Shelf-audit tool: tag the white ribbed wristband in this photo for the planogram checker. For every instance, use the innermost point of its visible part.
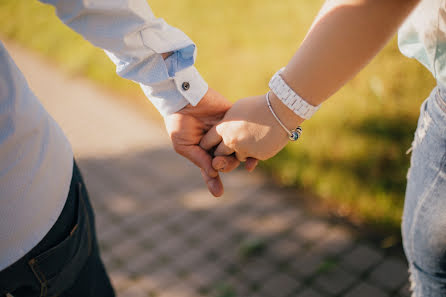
(290, 98)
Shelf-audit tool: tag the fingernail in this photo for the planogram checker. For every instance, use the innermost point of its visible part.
(214, 185)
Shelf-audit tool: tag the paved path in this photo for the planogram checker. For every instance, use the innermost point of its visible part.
(162, 235)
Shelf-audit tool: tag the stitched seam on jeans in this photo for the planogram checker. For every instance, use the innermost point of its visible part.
(40, 277)
(422, 200)
(421, 203)
(416, 216)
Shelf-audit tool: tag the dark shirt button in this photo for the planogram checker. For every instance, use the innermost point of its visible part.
(185, 86)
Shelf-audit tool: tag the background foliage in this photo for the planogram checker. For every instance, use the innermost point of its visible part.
(352, 156)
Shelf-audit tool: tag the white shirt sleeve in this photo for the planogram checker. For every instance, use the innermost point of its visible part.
(134, 39)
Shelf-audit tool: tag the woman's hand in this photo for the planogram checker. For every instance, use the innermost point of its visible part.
(250, 130)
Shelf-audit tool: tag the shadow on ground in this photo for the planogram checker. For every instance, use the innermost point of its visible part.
(162, 234)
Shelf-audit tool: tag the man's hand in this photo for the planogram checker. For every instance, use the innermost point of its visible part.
(186, 128)
(250, 130)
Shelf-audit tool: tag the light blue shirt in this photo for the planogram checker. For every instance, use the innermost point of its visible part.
(35, 157)
(423, 37)
(134, 39)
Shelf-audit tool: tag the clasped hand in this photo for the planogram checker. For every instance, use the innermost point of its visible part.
(248, 130)
(217, 136)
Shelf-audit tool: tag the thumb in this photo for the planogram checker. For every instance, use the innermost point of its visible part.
(215, 186)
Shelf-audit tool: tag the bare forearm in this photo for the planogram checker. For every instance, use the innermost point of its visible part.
(345, 36)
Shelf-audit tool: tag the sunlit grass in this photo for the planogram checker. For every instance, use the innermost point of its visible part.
(352, 154)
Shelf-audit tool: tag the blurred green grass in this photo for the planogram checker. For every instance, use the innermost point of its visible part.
(352, 155)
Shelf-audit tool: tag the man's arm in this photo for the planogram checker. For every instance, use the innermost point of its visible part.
(161, 58)
(135, 40)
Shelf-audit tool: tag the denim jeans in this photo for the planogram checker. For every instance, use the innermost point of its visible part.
(66, 261)
(424, 219)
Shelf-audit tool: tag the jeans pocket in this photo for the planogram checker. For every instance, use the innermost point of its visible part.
(57, 268)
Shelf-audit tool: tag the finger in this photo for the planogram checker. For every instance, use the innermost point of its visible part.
(215, 186)
(251, 164)
(225, 163)
(210, 139)
(223, 150)
(241, 157)
(200, 158)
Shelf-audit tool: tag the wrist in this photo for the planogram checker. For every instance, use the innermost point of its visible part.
(290, 98)
(166, 55)
(285, 114)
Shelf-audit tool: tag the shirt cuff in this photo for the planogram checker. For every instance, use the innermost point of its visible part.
(191, 85)
(173, 94)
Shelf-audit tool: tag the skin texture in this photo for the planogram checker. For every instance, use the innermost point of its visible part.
(344, 37)
(250, 130)
(342, 40)
(186, 128)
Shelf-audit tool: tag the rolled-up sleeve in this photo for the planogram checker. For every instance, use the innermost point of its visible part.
(134, 39)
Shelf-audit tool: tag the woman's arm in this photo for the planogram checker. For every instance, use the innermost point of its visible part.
(344, 37)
